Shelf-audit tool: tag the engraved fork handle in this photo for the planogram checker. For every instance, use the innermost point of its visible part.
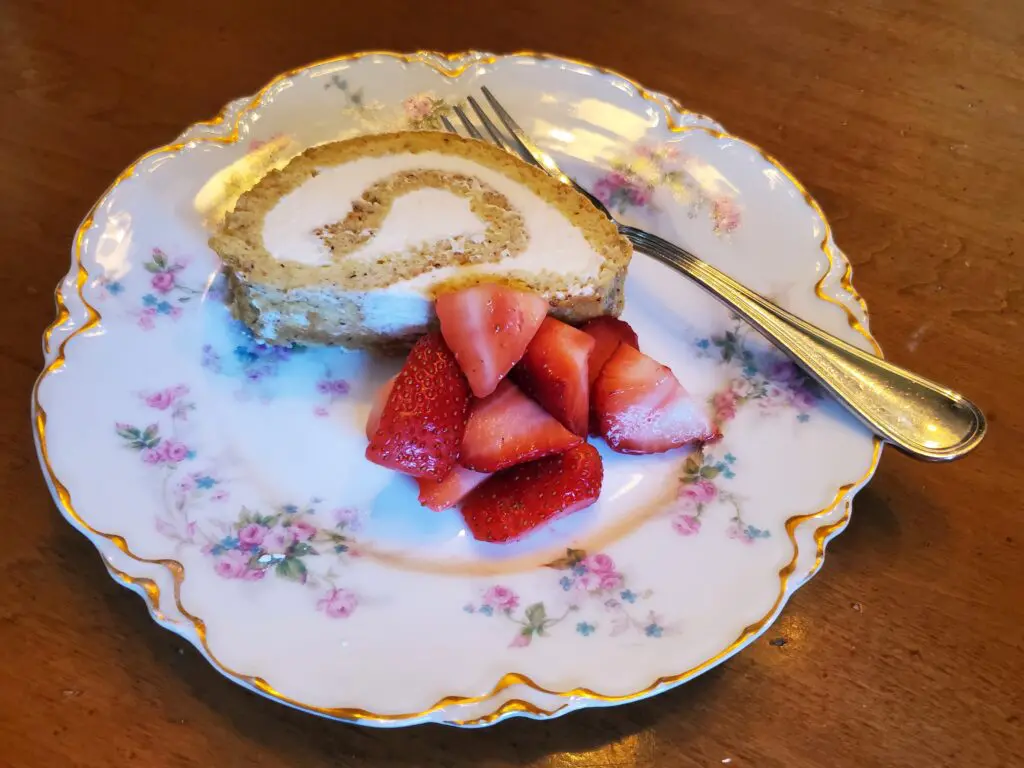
(917, 416)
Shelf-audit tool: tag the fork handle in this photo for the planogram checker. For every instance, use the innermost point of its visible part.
(917, 416)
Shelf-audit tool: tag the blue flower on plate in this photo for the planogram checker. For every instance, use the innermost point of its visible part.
(584, 628)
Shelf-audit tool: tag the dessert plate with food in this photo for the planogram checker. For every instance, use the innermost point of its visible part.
(396, 428)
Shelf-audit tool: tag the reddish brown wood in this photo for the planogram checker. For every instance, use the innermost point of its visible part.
(902, 117)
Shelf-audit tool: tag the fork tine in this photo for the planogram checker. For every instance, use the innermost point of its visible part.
(492, 129)
(448, 125)
(470, 128)
(525, 147)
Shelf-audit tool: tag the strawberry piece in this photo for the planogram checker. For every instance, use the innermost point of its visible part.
(439, 495)
(379, 401)
(608, 333)
(488, 328)
(642, 408)
(509, 428)
(424, 418)
(516, 501)
(554, 373)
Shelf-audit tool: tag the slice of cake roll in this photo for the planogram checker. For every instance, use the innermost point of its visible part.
(351, 241)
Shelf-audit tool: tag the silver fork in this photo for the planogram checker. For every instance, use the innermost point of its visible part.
(917, 416)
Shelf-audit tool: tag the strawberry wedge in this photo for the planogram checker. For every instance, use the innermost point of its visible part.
(488, 327)
(642, 408)
(423, 420)
(608, 333)
(514, 502)
(509, 428)
(439, 495)
(554, 373)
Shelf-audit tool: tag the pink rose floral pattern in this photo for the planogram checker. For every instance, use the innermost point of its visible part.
(763, 376)
(421, 111)
(632, 181)
(165, 295)
(424, 111)
(153, 447)
(184, 486)
(282, 543)
(167, 292)
(699, 489)
(595, 593)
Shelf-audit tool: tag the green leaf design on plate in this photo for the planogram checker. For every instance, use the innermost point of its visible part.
(151, 436)
(292, 568)
(692, 466)
(536, 615)
(128, 433)
(572, 557)
(301, 548)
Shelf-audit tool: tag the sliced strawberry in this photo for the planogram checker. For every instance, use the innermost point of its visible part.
(519, 499)
(424, 418)
(439, 495)
(608, 333)
(488, 328)
(509, 428)
(642, 407)
(554, 373)
(379, 401)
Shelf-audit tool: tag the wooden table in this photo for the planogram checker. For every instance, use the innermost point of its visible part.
(903, 117)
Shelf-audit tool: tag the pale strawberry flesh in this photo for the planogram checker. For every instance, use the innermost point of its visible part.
(379, 401)
(642, 408)
(514, 502)
(422, 423)
(608, 333)
(554, 373)
(488, 327)
(439, 495)
(509, 428)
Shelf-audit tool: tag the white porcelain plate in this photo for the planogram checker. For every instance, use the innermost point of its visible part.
(225, 481)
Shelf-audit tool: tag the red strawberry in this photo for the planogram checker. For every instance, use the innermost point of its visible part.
(509, 428)
(519, 499)
(642, 407)
(608, 332)
(421, 426)
(379, 401)
(488, 327)
(442, 494)
(554, 373)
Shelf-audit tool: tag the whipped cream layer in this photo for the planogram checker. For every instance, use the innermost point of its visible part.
(423, 216)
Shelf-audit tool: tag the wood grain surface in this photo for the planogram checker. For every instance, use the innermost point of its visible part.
(903, 118)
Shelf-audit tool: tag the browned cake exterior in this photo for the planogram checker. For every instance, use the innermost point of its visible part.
(285, 302)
